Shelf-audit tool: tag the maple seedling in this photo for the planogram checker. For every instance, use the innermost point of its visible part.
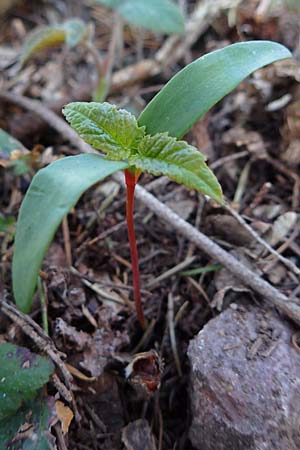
(118, 134)
(150, 143)
(71, 33)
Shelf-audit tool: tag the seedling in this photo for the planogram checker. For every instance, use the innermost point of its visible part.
(149, 144)
(71, 33)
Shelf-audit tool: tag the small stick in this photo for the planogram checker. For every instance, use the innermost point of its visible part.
(43, 342)
(61, 388)
(43, 301)
(226, 159)
(116, 47)
(67, 241)
(144, 338)
(280, 250)
(60, 437)
(259, 239)
(102, 86)
(242, 183)
(172, 333)
(182, 265)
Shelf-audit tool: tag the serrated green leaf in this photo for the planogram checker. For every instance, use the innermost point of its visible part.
(53, 191)
(162, 154)
(22, 373)
(106, 128)
(161, 16)
(70, 32)
(201, 84)
(36, 416)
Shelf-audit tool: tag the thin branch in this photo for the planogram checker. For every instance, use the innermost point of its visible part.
(172, 334)
(259, 239)
(35, 332)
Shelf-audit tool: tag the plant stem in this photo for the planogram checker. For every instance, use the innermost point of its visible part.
(102, 85)
(43, 301)
(131, 178)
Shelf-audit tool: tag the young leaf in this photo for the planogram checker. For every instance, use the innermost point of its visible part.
(52, 193)
(41, 39)
(161, 16)
(71, 32)
(22, 374)
(75, 30)
(106, 128)
(163, 154)
(36, 417)
(13, 154)
(8, 144)
(201, 84)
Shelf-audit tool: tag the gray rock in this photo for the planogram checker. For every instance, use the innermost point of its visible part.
(137, 435)
(245, 383)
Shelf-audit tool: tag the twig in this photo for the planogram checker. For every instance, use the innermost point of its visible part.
(35, 332)
(61, 388)
(226, 159)
(60, 437)
(242, 183)
(116, 47)
(67, 241)
(281, 249)
(249, 278)
(145, 337)
(116, 286)
(171, 324)
(259, 239)
(43, 301)
(182, 265)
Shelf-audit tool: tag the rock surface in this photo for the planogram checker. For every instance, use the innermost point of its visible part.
(245, 383)
(137, 435)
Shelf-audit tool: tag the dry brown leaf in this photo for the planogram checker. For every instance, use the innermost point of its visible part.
(65, 415)
(282, 227)
(78, 374)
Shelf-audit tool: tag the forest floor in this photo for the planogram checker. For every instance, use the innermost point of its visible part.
(252, 141)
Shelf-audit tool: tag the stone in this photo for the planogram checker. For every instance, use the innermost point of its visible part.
(137, 435)
(245, 383)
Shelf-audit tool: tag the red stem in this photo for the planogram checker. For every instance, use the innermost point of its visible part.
(131, 180)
